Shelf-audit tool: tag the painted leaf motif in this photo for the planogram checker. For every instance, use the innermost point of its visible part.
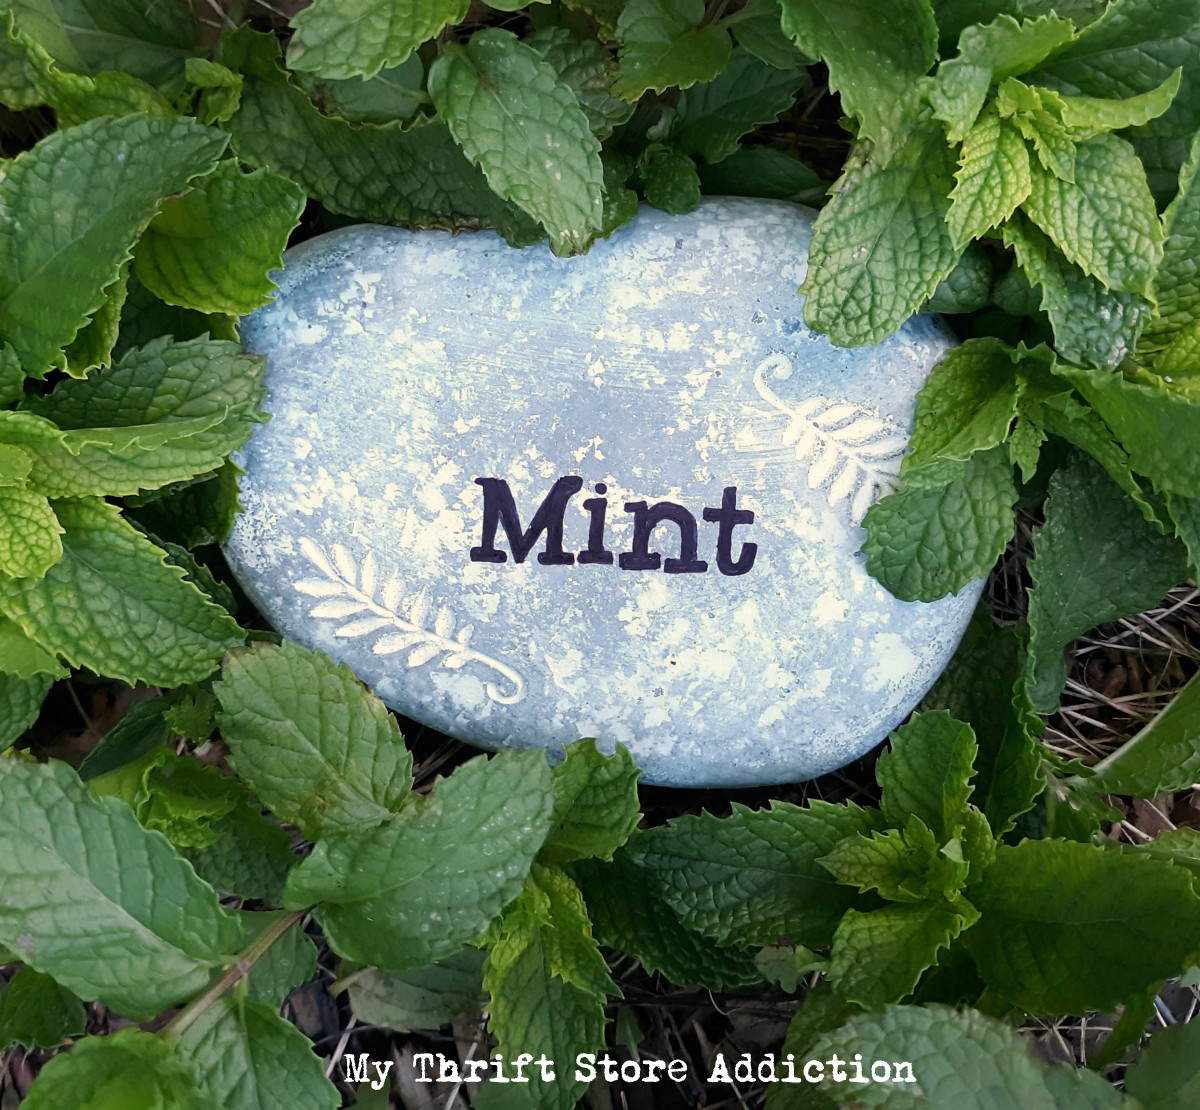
(349, 590)
(851, 454)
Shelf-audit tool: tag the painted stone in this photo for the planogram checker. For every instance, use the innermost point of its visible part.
(529, 499)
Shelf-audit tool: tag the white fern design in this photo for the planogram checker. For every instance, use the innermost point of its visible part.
(348, 593)
(850, 453)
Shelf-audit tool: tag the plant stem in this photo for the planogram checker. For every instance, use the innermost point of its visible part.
(346, 981)
(242, 967)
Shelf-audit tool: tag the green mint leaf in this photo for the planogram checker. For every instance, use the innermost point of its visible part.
(993, 178)
(161, 381)
(967, 403)
(605, 13)
(1105, 222)
(199, 575)
(1093, 116)
(422, 998)
(113, 605)
(358, 38)
(1177, 280)
(881, 245)
(21, 85)
(395, 93)
(151, 42)
(246, 1057)
(587, 69)
(30, 535)
(193, 715)
(94, 344)
(631, 917)
(568, 946)
(989, 54)
(1161, 754)
(35, 1012)
(1134, 46)
(984, 686)
(174, 795)
(290, 961)
(1064, 928)
(1168, 1073)
(12, 377)
(127, 460)
(416, 176)
(1179, 846)
(875, 74)
(250, 858)
(110, 910)
(20, 700)
(141, 730)
(1185, 514)
(663, 44)
(116, 1072)
(620, 203)
(1092, 326)
(670, 179)
(524, 128)
(1025, 446)
(210, 249)
(200, 512)
(24, 659)
(1157, 425)
(1179, 361)
(1055, 145)
(15, 465)
(1095, 559)
(906, 866)
(710, 118)
(41, 23)
(1062, 414)
(310, 740)
(203, 73)
(969, 286)
(418, 888)
(145, 318)
(70, 209)
(77, 99)
(33, 77)
(165, 413)
(1163, 157)
(758, 30)
(879, 956)
(532, 1010)
(959, 1058)
(761, 171)
(929, 540)
(595, 804)
(550, 915)
(927, 771)
(752, 878)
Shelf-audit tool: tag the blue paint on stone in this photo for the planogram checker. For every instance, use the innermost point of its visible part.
(409, 374)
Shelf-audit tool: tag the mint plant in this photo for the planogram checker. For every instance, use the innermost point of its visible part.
(1027, 167)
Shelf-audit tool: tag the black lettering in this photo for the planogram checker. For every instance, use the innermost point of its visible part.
(729, 516)
(640, 557)
(596, 552)
(500, 508)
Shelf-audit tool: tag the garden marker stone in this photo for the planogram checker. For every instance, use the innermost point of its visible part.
(529, 499)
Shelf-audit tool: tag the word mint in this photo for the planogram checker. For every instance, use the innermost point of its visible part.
(499, 509)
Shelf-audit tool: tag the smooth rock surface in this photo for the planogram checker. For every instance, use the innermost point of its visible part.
(668, 364)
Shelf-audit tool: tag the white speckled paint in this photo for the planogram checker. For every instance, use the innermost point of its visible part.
(669, 363)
